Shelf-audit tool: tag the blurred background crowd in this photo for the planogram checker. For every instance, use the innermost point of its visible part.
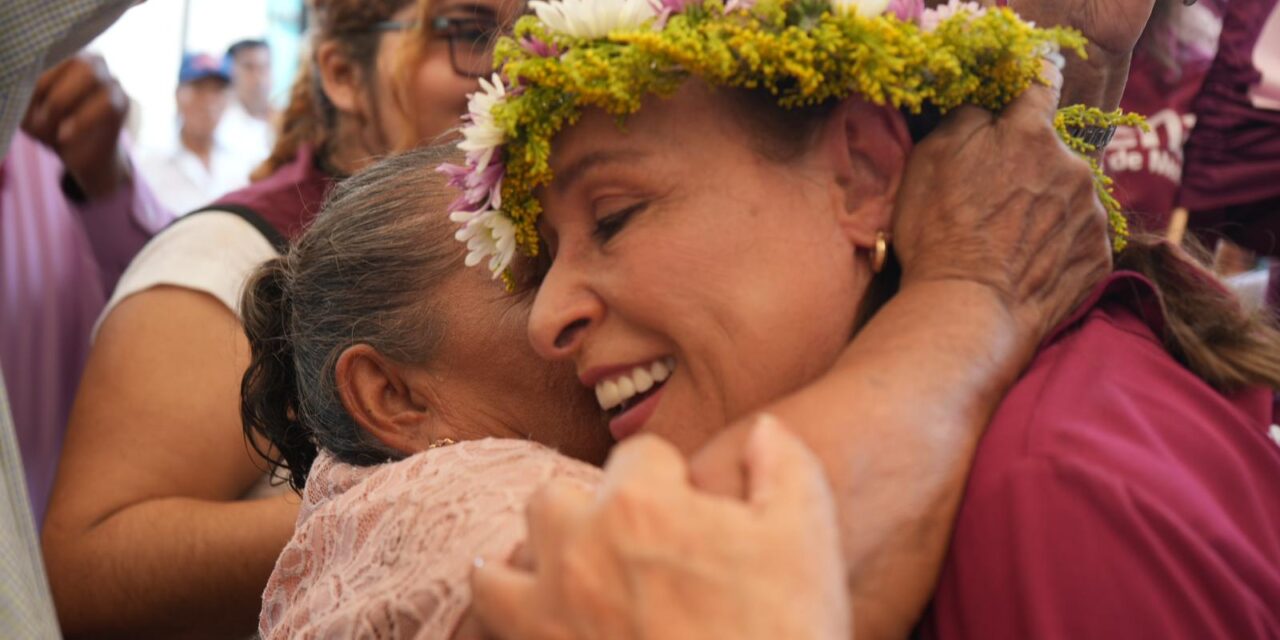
(204, 90)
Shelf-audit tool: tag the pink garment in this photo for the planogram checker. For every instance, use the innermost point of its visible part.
(59, 260)
(387, 551)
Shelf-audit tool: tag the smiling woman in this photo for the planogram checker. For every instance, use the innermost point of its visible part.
(732, 331)
(746, 252)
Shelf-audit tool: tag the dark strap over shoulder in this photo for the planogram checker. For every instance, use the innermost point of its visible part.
(281, 205)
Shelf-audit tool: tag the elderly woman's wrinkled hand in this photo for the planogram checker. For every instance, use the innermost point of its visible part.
(652, 557)
(1001, 201)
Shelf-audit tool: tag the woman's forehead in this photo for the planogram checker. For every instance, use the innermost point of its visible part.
(690, 123)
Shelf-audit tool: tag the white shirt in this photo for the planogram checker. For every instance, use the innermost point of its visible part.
(247, 137)
(1251, 287)
(183, 183)
(214, 253)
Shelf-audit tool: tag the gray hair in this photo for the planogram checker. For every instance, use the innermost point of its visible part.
(363, 273)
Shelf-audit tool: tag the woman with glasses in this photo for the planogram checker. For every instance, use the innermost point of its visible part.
(159, 522)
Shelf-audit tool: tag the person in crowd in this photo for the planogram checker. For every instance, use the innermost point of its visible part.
(246, 126)
(1169, 66)
(42, 35)
(1137, 445)
(1233, 154)
(73, 213)
(196, 166)
(161, 519)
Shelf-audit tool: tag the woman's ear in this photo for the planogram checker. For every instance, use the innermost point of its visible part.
(869, 145)
(340, 79)
(379, 395)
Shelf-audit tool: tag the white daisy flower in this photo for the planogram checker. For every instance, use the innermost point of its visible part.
(934, 17)
(593, 19)
(868, 8)
(481, 136)
(488, 234)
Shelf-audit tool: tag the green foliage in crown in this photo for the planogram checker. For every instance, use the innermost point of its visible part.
(803, 52)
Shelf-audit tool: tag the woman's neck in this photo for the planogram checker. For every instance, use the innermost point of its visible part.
(201, 146)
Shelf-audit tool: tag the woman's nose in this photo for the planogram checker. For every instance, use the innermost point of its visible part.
(564, 312)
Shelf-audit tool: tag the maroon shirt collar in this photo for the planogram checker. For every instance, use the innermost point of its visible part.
(1128, 288)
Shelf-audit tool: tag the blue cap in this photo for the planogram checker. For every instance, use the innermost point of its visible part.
(198, 66)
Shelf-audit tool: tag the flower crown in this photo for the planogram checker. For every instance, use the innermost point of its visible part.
(610, 54)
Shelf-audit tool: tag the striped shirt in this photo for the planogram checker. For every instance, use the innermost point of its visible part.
(34, 34)
(58, 262)
(26, 611)
(37, 34)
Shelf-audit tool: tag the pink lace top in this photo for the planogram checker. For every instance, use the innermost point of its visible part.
(387, 551)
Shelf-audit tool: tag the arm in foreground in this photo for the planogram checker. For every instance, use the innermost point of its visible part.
(146, 533)
(1000, 235)
(651, 556)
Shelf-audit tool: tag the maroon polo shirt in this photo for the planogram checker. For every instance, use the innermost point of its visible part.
(1116, 495)
(282, 205)
(1147, 165)
(1233, 156)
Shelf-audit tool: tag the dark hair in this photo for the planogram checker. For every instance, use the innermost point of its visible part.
(363, 273)
(310, 118)
(244, 45)
(1207, 329)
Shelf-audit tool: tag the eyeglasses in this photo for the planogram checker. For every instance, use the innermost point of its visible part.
(470, 40)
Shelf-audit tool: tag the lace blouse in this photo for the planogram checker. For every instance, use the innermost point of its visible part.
(387, 551)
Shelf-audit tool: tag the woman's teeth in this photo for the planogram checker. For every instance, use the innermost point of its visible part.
(614, 392)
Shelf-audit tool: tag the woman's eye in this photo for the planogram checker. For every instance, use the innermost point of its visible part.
(478, 34)
(610, 225)
(473, 31)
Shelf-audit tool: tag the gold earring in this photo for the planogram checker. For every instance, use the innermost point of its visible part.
(881, 252)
